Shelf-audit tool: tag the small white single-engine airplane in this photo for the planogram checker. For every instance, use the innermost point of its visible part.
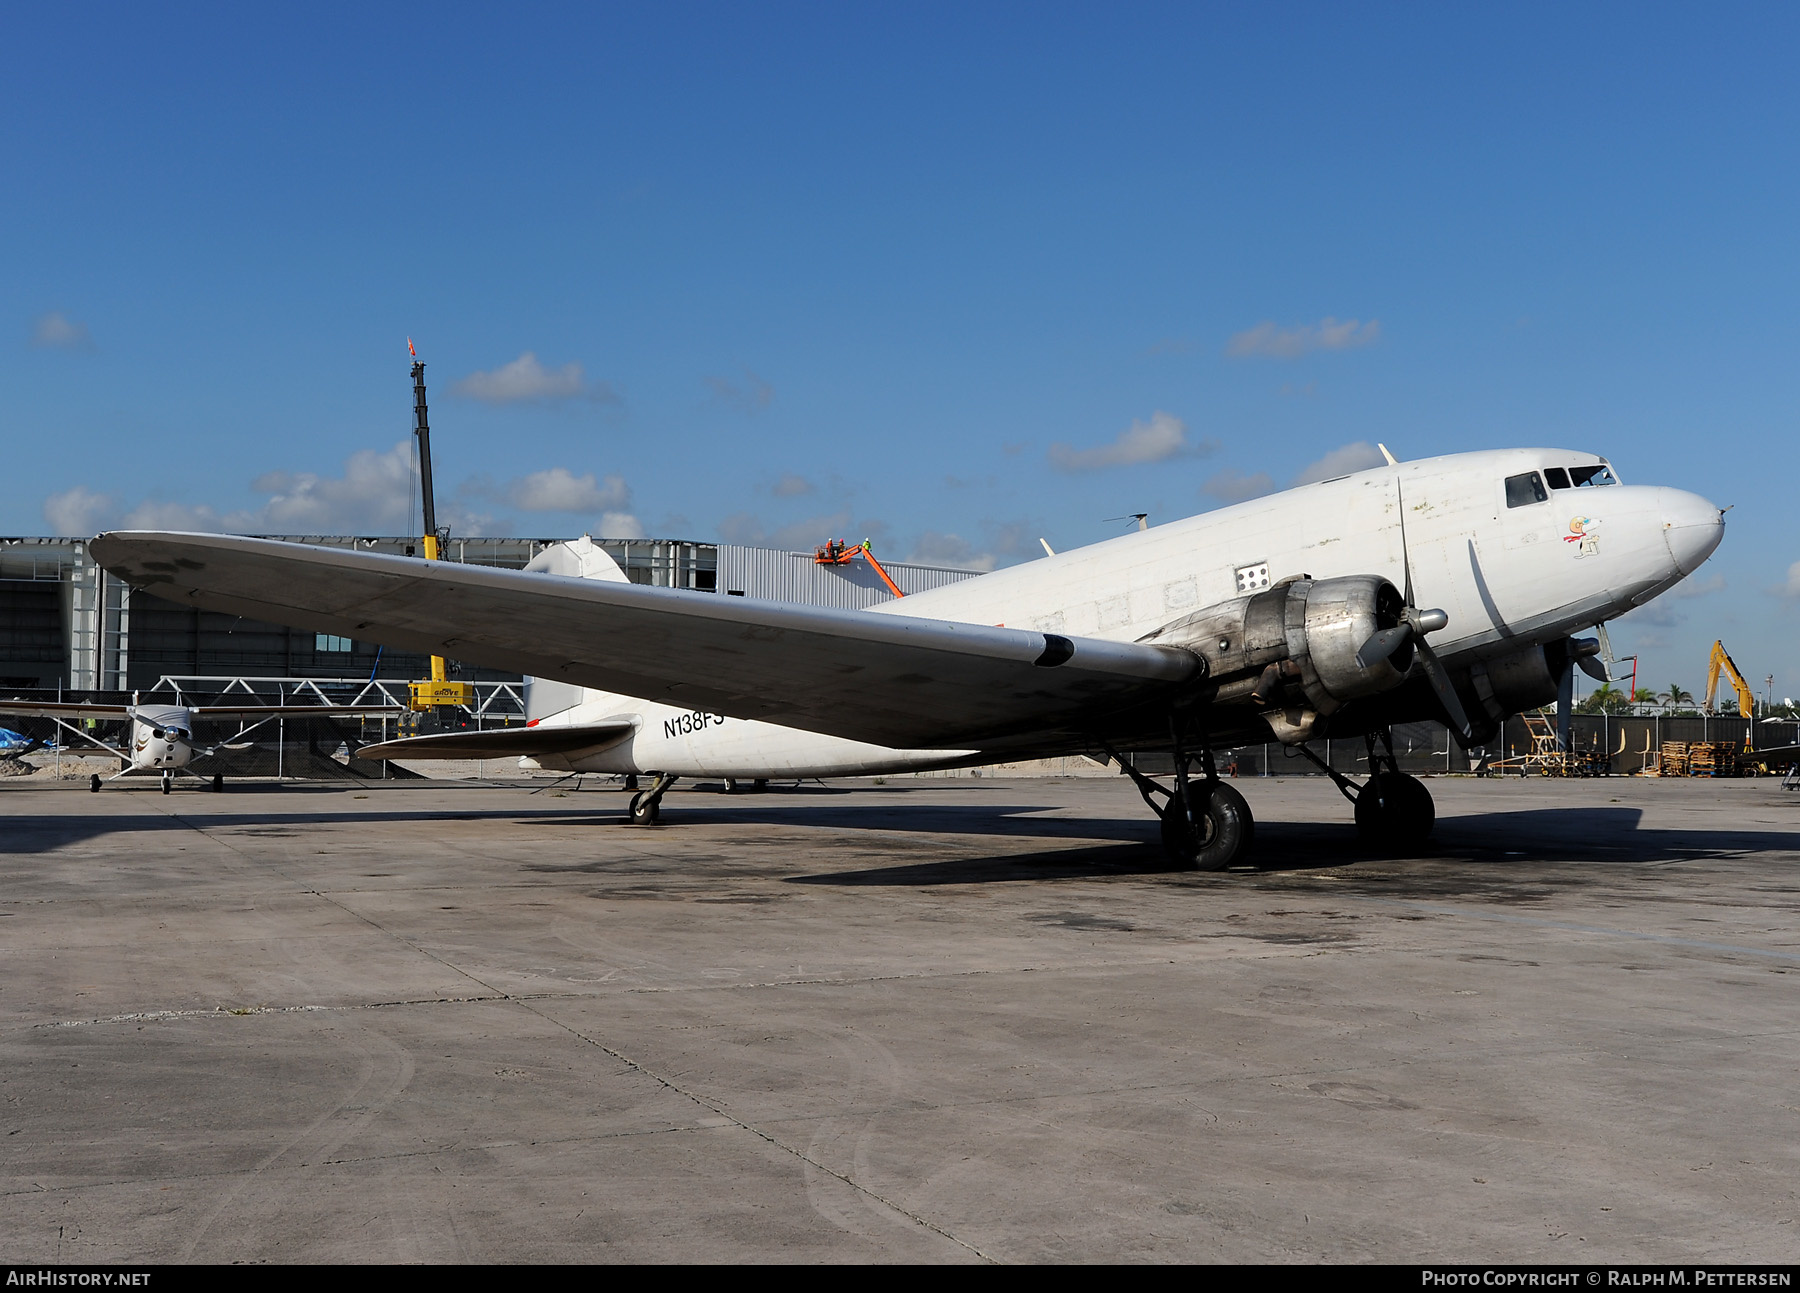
(1296, 616)
(160, 738)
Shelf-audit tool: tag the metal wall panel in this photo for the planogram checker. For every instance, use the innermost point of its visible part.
(794, 577)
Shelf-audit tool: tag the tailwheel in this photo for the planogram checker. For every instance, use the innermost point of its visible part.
(1394, 811)
(1218, 832)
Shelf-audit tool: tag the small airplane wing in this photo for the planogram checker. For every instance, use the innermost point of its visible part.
(894, 680)
(64, 709)
(502, 742)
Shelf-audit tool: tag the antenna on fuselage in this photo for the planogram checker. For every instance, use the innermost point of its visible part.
(1142, 518)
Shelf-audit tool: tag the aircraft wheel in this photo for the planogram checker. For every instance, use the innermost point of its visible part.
(644, 809)
(731, 785)
(1394, 810)
(218, 782)
(165, 785)
(1222, 829)
(760, 784)
(94, 783)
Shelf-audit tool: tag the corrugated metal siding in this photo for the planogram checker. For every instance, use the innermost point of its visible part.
(795, 577)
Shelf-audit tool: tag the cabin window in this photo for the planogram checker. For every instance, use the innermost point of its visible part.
(1598, 475)
(1558, 478)
(331, 642)
(1524, 489)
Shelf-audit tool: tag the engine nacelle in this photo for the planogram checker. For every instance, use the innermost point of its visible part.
(1292, 648)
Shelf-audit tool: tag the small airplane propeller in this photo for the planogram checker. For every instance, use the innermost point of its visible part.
(1413, 626)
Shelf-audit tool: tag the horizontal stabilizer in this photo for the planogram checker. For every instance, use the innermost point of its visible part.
(501, 742)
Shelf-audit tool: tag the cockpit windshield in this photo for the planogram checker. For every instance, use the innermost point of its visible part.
(1580, 477)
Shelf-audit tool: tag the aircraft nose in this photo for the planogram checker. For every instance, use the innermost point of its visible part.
(1692, 527)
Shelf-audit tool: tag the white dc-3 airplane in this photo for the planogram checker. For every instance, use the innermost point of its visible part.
(159, 738)
(1296, 616)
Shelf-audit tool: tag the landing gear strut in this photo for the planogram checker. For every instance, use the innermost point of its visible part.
(1393, 810)
(646, 805)
(1206, 825)
(168, 780)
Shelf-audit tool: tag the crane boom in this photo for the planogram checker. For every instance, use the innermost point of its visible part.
(1721, 660)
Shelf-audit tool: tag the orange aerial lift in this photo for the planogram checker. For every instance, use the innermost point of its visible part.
(838, 553)
(1745, 697)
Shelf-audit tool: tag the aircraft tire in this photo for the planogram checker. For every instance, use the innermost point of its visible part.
(1222, 832)
(731, 785)
(644, 809)
(165, 785)
(1395, 811)
(94, 783)
(218, 782)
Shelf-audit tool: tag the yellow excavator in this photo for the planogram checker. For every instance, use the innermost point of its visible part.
(1721, 660)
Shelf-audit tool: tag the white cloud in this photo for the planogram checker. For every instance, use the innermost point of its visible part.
(526, 381)
(1276, 342)
(559, 490)
(1792, 589)
(79, 512)
(155, 514)
(1230, 486)
(935, 549)
(1163, 437)
(57, 331)
(797, 536)
(752, 395)
(792, 486)
(621, 525)
(1341, 462)
(373, 496)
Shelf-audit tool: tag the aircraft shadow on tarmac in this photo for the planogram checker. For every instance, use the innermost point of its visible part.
(1119, 845)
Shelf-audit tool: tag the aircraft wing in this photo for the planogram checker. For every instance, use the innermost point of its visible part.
(296, 711)
(77, 709)
(64, 709)
(501, 742)
(893, 680)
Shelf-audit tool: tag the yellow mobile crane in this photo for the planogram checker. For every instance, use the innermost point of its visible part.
(1745, 697)
(439, 691)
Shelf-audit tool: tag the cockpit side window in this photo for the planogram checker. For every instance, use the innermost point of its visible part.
(1596, 475)
(1524, 489)
(1558, 478)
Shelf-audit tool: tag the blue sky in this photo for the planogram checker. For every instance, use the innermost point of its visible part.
(948, 277)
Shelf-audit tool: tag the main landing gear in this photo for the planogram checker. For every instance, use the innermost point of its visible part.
(1206, 825)
(1394, 812)
(646, 805)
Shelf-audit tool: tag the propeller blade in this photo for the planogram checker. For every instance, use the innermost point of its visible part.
(1381, 645)
(1592, 667)
(1446, 694)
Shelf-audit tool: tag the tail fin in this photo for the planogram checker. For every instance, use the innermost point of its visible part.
(577, 559)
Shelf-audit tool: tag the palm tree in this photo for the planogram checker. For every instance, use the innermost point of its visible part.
(1677, 695)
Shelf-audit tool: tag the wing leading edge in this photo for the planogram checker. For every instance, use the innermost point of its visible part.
(890, 680)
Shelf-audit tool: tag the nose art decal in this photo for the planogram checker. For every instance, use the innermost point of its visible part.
(1581, 534)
